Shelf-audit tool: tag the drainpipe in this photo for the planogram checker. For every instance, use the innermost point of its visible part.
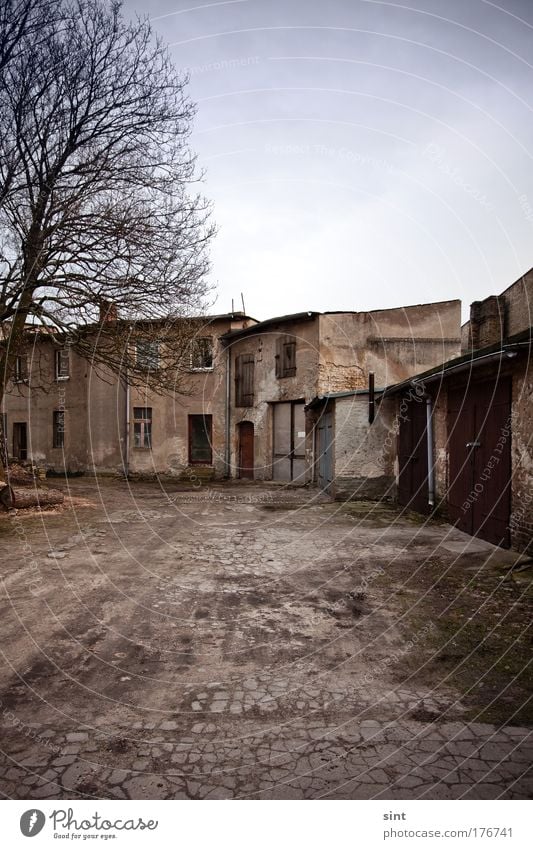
(227, 453)
(127, 439)
(429, 439)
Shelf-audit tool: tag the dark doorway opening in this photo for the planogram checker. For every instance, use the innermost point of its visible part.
(20, 440)
(246, 450)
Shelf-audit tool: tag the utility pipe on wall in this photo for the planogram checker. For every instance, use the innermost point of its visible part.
(429, 440)
(227, 449)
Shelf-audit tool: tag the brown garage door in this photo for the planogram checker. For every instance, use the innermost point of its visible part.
(479, 445)
(413, 456)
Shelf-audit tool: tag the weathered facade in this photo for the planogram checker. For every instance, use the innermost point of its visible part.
(65, 415)
(472, 458)
(292, 392)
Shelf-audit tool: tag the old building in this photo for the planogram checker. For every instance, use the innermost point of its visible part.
(286, 374)
(464, 443)
(66, 414)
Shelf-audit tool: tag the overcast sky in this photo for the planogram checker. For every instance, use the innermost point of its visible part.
(360, 154)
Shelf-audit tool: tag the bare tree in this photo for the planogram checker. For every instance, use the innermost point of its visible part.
(97, 205)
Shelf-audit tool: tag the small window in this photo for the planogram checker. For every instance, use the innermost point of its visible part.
(58, 429)
(286, 356)
(20, 372)
(62, 364)
(142, 427)
(244, 380)
(202, 354)
(147, 355)
(200, 440)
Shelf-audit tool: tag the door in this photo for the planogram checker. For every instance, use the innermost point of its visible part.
(325, 450)
(246, 450)
(413, 456)
(288, 462)
(479, 446)
(20, 440)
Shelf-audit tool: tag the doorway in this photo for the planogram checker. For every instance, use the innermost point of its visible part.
(413, 457)
(20, 441)
(246, 450)
(288, 461)
(479, 445)
(324, 447)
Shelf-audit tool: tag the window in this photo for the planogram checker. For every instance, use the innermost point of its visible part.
(20, 372)
(62, 364)
(147, 355)
(244, 380)
(286, 356)
(202, 353)
(58, 429)
(142, 427)
(200, 440)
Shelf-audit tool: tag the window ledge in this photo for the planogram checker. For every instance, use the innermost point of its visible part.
(61, 379)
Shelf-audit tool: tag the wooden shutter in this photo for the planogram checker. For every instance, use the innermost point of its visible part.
(244, 380)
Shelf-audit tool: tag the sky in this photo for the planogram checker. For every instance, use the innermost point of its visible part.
(359, 154)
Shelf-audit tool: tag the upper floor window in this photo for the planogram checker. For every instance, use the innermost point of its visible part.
(20, 371)
(142, 427)
(62, 364)
(244, 380)
(147, 354)
(202, 353)
(286, 356)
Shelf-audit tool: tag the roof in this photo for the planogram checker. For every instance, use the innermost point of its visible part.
(270, 322)
(473, 359)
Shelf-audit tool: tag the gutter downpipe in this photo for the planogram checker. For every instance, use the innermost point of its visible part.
(127, 439)
(429, 440)
(227, 453)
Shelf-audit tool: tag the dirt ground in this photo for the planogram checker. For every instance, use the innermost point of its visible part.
(256, 641)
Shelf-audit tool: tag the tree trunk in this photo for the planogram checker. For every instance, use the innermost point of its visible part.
(12, 497)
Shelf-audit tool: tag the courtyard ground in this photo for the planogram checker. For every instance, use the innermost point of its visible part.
(246, 641)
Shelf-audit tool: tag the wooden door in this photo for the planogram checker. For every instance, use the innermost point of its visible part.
(479, 446)
(325, 451)
(246, 450)
(413, 456)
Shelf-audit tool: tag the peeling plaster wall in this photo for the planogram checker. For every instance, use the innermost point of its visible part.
(394, 344)
(35, 402)
(364, 453)
(269, 389)
(170, 418)
(522, 458)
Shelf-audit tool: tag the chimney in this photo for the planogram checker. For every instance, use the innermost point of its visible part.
(108, 311)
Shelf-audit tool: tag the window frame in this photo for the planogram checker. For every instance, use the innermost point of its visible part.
(20, 371)
(196, 340)
(145, 423)
(207, 418)
(284, 343)
(61, 355)
(148, 362)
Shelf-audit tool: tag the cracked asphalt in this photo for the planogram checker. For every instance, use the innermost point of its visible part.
(245, 641)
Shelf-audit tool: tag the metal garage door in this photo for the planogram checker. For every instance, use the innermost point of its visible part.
(325, 451)
(479, 445)
(413, 456)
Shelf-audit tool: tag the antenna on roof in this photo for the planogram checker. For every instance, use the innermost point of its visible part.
(242, 301)
(232, 307)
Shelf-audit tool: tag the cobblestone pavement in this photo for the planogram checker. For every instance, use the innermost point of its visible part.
(236, 642)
